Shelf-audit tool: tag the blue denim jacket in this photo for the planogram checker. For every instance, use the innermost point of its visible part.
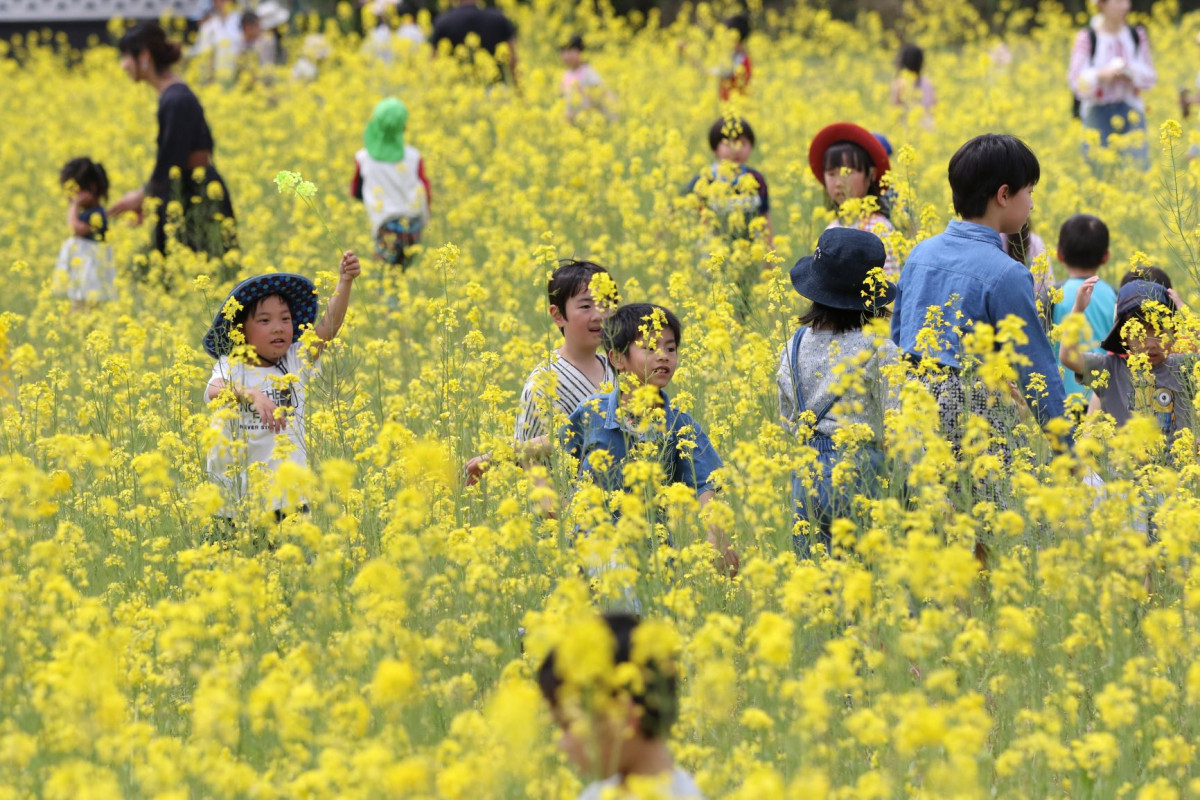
(966, 263)
(595, 425)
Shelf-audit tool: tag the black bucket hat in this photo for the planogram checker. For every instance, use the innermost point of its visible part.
(835, 275)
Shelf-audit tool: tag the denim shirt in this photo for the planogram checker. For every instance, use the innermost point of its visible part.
(966, 267)
(595, 425)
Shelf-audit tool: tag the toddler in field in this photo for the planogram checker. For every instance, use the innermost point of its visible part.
(1162, 386)
(849, 161)
(582, 86)
(1083, 249)
(910, 85)
(389, 178)
(835, 368)
(614, 724)
(85, 273)
(734, 191)
(262, 370)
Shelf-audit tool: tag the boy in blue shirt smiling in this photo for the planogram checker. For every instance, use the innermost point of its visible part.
(642, 341)
(965, 272)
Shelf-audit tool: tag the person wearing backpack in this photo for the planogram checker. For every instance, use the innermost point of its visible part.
(1110, 70)
(833, 374)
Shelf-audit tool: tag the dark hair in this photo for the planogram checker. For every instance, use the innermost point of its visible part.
(249, 18)
(739, 23)
(574, 43)
(86, 174)
(840, 320)
(983, 165)
(569, 279)
(1016, 245)
(729, 129)
(149, 37)
(1152, 274)
(247, 311)
(658, 701)
(624, 327)
(911, 58)
(1083, 241)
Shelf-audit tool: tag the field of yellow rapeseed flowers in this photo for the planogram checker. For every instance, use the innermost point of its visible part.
(384, 648)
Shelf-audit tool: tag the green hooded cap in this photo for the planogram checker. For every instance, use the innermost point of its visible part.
(384, 136)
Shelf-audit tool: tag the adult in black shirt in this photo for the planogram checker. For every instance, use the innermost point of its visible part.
(489, 24)
(183, 168)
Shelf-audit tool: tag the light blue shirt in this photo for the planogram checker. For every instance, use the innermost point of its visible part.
(1099, 314)
(964, 272)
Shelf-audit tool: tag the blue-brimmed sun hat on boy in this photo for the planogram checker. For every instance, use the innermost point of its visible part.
(837, 274)
(298, 292)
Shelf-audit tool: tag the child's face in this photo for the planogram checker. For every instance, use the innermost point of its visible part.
(572, 58)
(1142, 339)
(269, 330)
(1016, 213)
(251, 31)
(736, 150)
(583, 322)
(844, 183)
(655, 366)
(1114, 11)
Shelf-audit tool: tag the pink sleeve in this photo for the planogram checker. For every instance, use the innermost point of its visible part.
(928, 98)
(1081, 76)
(1141, 67)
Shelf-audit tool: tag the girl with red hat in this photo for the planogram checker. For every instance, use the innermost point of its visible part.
(848, 160)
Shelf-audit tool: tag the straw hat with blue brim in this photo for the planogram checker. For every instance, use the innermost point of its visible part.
(384, 136)
(1129, 299)
(298, 291)
(835, 275)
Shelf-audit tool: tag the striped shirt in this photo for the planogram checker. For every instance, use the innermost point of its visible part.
(569, 386)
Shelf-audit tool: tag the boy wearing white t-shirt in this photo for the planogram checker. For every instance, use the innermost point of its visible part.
(262, 371)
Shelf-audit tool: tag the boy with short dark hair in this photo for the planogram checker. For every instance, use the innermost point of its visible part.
(615, 726)
(642, 341)
(1082, 249)
(736, 193)
(965, 273)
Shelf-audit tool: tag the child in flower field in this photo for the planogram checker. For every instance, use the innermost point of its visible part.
(835, 369)
(909, 63)
(85, 271)
(849, 161)
(582, 86)
(389, 178)
(966, 278)
(643, 341)
(262, 368)
(735, 79)
(1083, 249)
(1161, 386)
(614, 721)
(578, 369)
(730, 188)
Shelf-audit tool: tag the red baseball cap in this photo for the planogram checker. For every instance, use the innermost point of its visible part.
(846, 132)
